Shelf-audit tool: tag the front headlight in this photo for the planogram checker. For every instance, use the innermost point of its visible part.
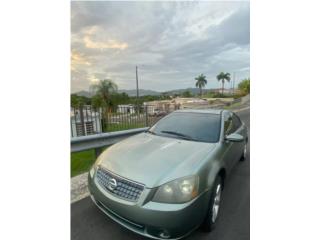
(178, 191)
(95, 166)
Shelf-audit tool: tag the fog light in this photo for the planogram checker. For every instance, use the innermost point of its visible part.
(164, 234)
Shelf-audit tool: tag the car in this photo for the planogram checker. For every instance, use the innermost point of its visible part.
(158, 113)
(168, 181)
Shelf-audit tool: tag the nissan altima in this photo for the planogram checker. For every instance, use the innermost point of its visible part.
(166, 182)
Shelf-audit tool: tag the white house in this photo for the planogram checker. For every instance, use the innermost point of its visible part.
(126, 109)
(90, 123)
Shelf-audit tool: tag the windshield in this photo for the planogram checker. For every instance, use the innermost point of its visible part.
(204, 127)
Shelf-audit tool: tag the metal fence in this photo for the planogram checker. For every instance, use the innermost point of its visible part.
(86, 120)
(98, 142)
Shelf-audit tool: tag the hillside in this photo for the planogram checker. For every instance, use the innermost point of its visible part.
(144, 92)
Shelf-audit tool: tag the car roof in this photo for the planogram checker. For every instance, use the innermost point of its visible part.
(207, 110)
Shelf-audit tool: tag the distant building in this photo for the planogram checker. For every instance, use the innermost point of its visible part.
(173, 104)
(161, 106)
(86, 123)
(226, 91)
(191, 102)
(167, 106)
(126, 109)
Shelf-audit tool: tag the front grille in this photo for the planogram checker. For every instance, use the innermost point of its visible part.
(123, 188)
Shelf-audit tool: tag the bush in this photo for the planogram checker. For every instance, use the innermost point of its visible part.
(244, 86)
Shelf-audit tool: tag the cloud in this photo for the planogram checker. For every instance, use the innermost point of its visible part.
(89, 43)
(171, 42)
(77, 59)
(94, 39)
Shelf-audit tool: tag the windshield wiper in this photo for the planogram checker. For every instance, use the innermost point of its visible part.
(181, 135)
(151, 132)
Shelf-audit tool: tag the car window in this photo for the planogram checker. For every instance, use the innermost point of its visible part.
(203, 127)
(236, 122)
(227, 124)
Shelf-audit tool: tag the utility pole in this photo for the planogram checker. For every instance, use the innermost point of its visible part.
(234, 79)
(137, 84)
(138, 107)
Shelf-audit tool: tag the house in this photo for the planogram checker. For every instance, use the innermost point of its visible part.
(85, 121)
(163, 106)
(129, 108)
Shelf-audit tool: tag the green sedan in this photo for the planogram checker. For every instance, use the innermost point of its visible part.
(166, 182)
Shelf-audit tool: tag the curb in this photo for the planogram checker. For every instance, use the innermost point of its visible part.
(240, 110)
(79, 187)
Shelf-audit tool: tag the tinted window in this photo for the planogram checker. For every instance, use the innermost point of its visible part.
(236, 122)
(204, 127)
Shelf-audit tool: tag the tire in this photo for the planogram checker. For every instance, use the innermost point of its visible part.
(210, 221)
(244, 154)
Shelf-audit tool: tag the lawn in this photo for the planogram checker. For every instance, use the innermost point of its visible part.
(113, 127)
(82, 161)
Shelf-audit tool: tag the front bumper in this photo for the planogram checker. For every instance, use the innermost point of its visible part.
(151, 219)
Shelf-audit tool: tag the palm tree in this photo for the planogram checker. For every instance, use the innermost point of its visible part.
(223, 76)
(201, 82)
(104, 88)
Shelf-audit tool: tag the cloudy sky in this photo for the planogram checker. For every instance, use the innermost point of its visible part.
(170, 42)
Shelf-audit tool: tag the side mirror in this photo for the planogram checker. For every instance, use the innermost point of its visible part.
(235, 137)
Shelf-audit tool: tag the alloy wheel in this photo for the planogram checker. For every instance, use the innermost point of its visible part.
(216, 203)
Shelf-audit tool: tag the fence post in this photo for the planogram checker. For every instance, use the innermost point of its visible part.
(146, 111)
(97, 151)
(82, 120)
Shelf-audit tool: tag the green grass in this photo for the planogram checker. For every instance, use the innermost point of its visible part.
(82, 161)
(112, 127)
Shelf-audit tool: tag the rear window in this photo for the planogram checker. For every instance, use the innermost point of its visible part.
(204, 127)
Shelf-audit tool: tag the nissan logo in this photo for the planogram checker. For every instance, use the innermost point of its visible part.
(112, 184)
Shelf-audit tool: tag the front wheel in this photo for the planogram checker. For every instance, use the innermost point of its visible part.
(214, 206)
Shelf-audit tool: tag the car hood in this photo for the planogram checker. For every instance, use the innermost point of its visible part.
(154, 160)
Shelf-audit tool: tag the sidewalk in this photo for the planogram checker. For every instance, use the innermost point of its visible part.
(79, 187)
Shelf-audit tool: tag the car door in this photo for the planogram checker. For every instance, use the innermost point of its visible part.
(232, 150)
(238, 128)
(227, 145)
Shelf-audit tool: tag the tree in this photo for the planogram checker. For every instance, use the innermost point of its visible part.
(116, 99)
(244, 85)
(96, 102)
(201, 82)
(186, 93)
(104, 89)
(222, 77)
(74, 101)
(79, 101)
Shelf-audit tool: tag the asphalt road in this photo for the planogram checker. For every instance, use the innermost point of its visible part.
(88, 222)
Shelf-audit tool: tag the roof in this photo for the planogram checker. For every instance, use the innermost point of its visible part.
(208, 110)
